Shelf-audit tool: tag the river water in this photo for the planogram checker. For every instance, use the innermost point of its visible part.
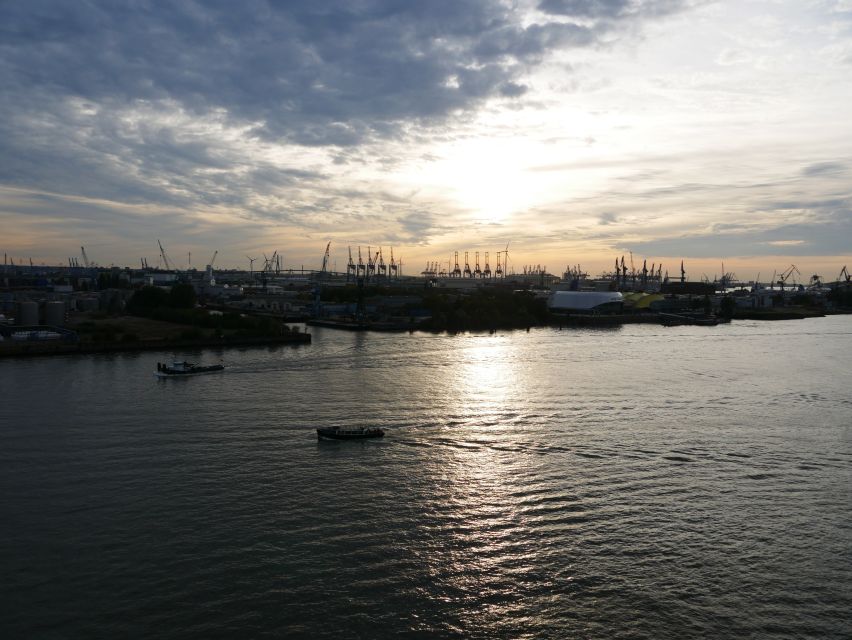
(643, 482)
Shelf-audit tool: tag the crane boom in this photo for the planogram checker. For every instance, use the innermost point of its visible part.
(166, 260)
(325, 258)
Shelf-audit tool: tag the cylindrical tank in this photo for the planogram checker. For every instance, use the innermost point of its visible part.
(54, 313)
(27, 313)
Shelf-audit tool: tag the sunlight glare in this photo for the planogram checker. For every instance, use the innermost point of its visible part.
(488, 177)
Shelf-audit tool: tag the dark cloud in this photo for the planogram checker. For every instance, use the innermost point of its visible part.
(417, 227)
(311, 73)
(586, 8)
(610, 9)
(824, 168)
(319, 73)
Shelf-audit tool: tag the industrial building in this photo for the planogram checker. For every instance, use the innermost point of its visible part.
(586, 302)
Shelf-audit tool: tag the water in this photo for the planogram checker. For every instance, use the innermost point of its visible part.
(645, 482)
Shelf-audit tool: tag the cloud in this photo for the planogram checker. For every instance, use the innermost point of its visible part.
(327, 73)
(169, 102)
(265, 112)
(826, 234)
(729, 57)
(824, 168)
(611, 9)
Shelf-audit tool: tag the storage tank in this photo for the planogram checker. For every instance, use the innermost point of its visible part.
(54, 313)
(27, 313)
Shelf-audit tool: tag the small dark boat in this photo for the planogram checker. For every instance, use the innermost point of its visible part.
(360, 433)
(181, 369)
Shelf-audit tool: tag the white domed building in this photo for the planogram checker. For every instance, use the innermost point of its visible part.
(567, 302)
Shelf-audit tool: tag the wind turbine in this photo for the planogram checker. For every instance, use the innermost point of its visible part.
(251, 266)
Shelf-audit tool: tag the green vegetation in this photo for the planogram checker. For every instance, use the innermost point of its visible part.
(104, 332)
(112, 280)
(486, 309)
(178, 306)
(147, 299)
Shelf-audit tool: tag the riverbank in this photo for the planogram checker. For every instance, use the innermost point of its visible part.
(100, 333)
(10, 348)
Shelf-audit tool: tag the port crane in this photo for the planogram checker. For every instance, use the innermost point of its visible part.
(272, 263)
(350, 267)
(785, 275)
(371, 262)
(727, 279)
(166, 260)
(393, 264)
(318, 282)
(844, 275)
(362, 268)
(506, 261)
(324, 268)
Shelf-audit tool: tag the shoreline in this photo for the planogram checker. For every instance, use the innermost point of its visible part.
(10, 349)
(36, 348)
(579, 320)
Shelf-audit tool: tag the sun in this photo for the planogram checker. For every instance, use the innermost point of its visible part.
(485, 177)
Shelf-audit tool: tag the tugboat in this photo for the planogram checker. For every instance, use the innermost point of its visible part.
(180, 369)
(360, 433)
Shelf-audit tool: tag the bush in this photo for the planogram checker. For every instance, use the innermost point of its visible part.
(146, 299)
(182, 296)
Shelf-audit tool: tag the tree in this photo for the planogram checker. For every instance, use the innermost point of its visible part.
(146, 299)
(182, 296)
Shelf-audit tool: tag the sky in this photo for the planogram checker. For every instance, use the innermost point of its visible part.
(571, 131)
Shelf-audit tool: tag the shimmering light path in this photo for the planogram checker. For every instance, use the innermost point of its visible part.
(645, 482)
